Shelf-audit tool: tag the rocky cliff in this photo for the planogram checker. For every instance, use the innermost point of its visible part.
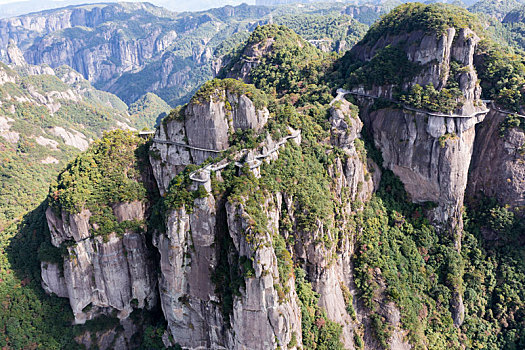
(226, 279)
(101, 273)
(497, 169)
(430, 152)
(256, 222)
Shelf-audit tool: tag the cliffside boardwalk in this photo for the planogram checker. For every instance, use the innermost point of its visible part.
(252, 164)
(342, 92)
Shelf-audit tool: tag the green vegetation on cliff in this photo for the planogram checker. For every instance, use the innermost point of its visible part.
(389, 66)
(107, 173)
(287, 64)
(334, 32)
(494, 277)
(410, 17)
(400, 259)
(212, 88)
(40, 134)
(30, 318)
(319, 332)
(502, 75)
(430, 99)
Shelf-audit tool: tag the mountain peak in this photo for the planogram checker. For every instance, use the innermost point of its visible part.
(411, 17)
(273, 56)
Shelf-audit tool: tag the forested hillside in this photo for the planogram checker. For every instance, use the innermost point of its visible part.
(314, 195)
(131, 49)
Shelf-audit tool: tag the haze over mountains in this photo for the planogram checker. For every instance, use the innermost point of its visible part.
(10, 8)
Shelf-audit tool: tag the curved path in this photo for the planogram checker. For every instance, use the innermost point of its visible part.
(202, 175)
(341, 93)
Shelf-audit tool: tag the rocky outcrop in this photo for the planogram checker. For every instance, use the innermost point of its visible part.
(71, 138)
(251, 58)
(430, 154)
(53, 280)
(114, 44)
(361, 175)
(262, 318)
(434, 54)
(498, 163)
(101, 274)
(200, 131)
(190, 257)
(187, 294)
(117, 339)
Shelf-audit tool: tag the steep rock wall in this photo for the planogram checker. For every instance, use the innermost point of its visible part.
(202, 125)
(430, 154)
(498, 162)
(434, 54)
(106, 273)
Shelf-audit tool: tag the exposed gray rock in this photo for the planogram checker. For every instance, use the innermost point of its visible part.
(358, 178)
(109, 275)
(187, 294)
(101, 274)
(434, 53)
(206, 125)
(261, 319)
(53, 280)
(65, 226)
(432, 166)
(127, 211)
(71, 138)
(498, 163)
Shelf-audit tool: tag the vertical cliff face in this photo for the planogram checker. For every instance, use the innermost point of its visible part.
(431, 155)
(187, 294)
(264, 316)
(432, 55)
(429, 151)
(498, 165)
(100, 274)
(203, 129)
(428, 148)
(224, 281)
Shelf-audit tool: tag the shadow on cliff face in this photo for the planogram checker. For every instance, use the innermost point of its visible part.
(30, 316)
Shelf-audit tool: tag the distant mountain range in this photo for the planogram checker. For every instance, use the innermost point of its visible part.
(17, 8)
(130, 49)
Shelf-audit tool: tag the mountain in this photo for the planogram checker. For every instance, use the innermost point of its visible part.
(18, 8)
(47, 116)
(285, 215)
(130, 49)
(494, 8)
